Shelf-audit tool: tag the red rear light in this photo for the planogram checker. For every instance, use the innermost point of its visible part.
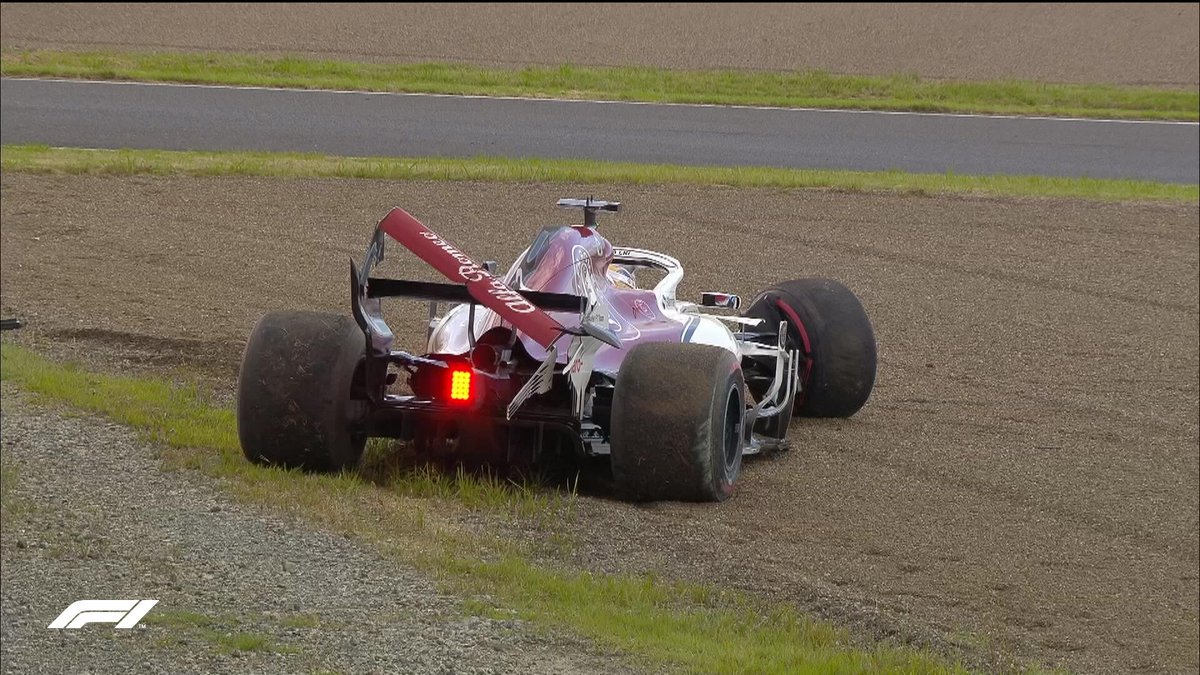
(460, 385)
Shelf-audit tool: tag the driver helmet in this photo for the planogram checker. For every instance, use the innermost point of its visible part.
(621, 277)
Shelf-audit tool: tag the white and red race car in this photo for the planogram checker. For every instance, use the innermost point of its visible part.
(564, 353)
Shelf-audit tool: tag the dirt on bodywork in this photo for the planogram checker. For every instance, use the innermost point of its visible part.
(1022, 483)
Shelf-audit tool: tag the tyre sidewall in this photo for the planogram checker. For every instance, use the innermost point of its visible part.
(724, 471)
(294, 391)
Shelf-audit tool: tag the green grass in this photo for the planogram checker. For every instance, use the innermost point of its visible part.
(387, 464)
(181, 416)
(695, 627)
(221, 633)
(244, 642)
(689, 627)
(301, 621)
(806, 89)
(179, 618)
(46, 160)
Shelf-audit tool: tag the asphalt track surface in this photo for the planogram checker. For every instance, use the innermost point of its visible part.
(128, 115)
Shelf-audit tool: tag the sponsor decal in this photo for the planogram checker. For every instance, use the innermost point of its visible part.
(471, 273)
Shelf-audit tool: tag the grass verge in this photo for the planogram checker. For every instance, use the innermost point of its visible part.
(681, 626)
(807, 89)
(46, 160)
(223, 634)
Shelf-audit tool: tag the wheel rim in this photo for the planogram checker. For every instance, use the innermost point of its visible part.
(732, 432)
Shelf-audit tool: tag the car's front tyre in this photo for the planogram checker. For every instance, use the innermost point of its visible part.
(829, 327)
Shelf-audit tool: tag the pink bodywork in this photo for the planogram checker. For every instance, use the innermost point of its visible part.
(574, 259)
(565, 259)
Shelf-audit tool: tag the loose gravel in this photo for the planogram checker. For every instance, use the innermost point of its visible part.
(1117, 43)
(92, 515)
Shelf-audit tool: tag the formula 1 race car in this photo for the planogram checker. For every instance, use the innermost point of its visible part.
(564, 353)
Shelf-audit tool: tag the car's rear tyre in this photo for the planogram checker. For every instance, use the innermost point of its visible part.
(295, 403)
(677, 423)
(830, 328)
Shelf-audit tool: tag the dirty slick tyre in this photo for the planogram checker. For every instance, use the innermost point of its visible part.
(294, 391)
(834, 333)
(677, 418)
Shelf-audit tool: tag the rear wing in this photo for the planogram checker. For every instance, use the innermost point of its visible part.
(525, 310)
(378, 287)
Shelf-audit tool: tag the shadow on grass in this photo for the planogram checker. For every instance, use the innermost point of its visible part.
(473, 470)
(452, 466)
